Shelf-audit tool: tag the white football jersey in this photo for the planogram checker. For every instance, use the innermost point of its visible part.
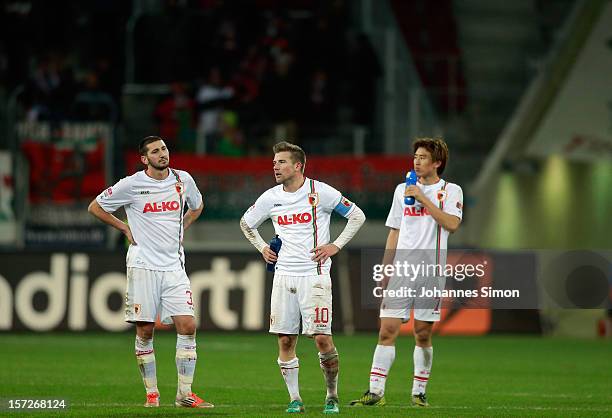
(154, 210)
(301, 220)
(417, 228)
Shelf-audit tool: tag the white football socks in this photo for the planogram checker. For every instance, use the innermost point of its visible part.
(381, 364)
(290, 371)
(423, 358)
(145, 356)
(186, 358)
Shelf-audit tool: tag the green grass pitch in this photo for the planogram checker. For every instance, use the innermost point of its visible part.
(471, 376)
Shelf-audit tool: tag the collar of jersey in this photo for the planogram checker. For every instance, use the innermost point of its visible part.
(306, 180)
(144, 172)
(432, 185)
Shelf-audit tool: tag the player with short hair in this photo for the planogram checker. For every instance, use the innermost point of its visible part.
(300, 209)
(155, 200)
(419, 233)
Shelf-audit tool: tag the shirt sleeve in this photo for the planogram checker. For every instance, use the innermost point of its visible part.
(259, 212)
(328, 197)
(193, 195)
(394, 219)
(116, 196)
(454, 201)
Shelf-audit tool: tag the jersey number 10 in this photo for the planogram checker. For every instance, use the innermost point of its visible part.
(321, 315)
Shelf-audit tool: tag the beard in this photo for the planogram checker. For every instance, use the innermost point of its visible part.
(159, 166)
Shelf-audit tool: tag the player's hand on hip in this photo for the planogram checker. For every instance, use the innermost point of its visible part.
(269, 255)
(414, 191)
(128, 233)
(323, 252)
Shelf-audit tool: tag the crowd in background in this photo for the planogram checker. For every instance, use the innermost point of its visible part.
(59, 49)
(236, 69)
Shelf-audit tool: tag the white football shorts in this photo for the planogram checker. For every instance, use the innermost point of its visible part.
(152, 292)
(425, 308)
(305, 298)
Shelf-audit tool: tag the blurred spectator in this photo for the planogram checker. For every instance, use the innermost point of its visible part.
(364, 71)
(279, 97)
(51, 89)
(275, 39)
(211, 98)
(175, 115)
(247, 79)
(232, 140)
(226, 48)
(319, 109)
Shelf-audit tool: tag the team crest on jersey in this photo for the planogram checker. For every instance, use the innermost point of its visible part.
(346, 202)
(441, 195)
(179, 187)
(313, 199)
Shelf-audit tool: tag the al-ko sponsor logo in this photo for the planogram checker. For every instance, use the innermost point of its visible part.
(296, 218)
(161, 206)
(73, 296)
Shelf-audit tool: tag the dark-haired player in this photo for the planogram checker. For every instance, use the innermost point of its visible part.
(419, 232)
(155, 200)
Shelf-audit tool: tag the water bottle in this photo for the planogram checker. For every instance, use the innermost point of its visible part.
(275, 245)
(411, 180)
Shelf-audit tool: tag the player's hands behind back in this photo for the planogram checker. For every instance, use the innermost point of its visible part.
(323, 252)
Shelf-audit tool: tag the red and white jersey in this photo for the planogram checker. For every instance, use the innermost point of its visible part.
(154, 210)
(301, 220)
(417, 228)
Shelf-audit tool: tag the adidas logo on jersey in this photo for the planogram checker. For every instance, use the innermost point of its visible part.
(296, 218)
(161, 206)
(415, 211)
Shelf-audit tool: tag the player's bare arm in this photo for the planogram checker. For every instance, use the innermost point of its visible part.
(355, 221)
(254, 238)
(447, 221)
(389, 255)
(191, 216)
(108, 218)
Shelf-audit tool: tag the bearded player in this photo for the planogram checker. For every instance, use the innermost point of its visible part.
(155, 200)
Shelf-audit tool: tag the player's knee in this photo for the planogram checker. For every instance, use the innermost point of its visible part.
(145, 331)
(423, 337)
(387, 334)
(324, 343)
(185, 326)
(188, 328)
(285, 343)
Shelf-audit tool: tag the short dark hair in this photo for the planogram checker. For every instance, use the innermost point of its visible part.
(436, 147)
(142, 146)
(297, 154)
